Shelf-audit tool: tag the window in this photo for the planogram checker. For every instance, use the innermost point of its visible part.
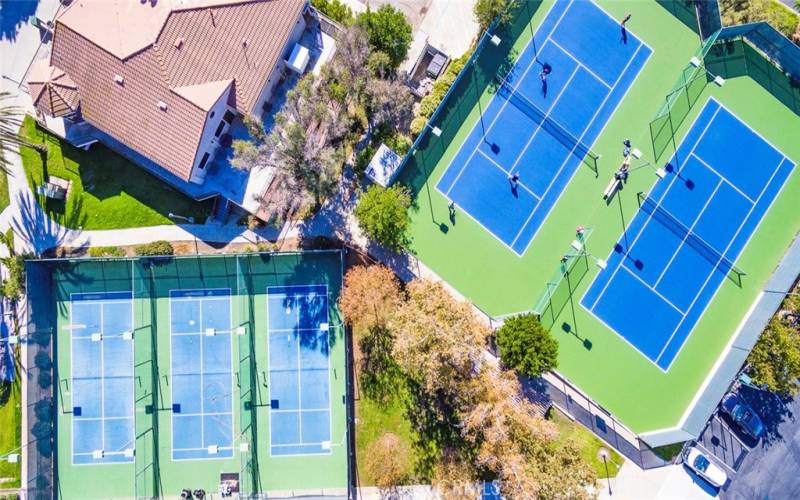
(228, 117)
(219, 128)
(212, 114)
(203, 162)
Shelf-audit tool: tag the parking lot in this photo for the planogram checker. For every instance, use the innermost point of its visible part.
(769, 468)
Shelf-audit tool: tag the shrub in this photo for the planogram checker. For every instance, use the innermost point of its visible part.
(362, 160)
(106, 252)
(418, 125)
(14, 285)
(155, 248)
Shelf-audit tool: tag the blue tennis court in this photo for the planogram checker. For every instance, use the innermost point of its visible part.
(202, 376)
(543, 130)
(102, 377)
(687, 235)
(299, 370)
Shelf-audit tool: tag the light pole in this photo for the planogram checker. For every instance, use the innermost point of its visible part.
(189, 219)
(603, 453)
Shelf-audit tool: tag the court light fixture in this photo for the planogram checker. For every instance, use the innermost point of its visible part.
(434, 129)
(719, 81)
(244, 447)
(695, 61)
(13, 339)
(128, 452)
(495, 40)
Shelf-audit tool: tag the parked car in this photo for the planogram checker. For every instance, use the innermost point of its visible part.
(743, 414)
(705, 468)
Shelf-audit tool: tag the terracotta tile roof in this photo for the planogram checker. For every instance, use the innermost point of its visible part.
(53, 92)
(127, 56)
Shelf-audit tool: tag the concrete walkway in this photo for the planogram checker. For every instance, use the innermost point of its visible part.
(673, 482)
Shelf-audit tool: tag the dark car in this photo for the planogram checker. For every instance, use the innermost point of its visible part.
(743, 414)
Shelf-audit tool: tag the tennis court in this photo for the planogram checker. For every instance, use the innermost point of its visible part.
(202, 377)
(685, 239)
(299, 370)
(542, 129)
(102, 377)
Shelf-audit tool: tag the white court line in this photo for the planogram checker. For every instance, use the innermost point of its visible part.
(714, 269)
(176, 296)
(503, 105)
(546, 115)
(100, 308)
(725, 179)
(572, 152)
(300, 410)
(649, 287)
(483, 136)
(581, 65)
(526, 188)
(690, 232)
(658, 204)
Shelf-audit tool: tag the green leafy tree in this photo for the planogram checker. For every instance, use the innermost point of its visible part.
(775, 359)
(485, 11)
(388, 31)
(335, 10)
(527, 346)
(382, 214)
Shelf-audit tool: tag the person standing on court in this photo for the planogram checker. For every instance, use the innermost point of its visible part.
(624, 29)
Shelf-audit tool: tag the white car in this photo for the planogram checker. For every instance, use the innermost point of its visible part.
(705, 468)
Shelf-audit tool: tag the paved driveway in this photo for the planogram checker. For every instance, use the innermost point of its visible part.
(771, 469)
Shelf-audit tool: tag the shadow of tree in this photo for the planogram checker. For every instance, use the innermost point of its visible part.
(15, 14)
(34, 227)
(772, 409)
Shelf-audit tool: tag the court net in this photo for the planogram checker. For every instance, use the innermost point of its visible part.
(581, 150)
(702, 247)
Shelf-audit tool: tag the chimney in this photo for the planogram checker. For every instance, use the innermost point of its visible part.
(162, 105)
(179, 42)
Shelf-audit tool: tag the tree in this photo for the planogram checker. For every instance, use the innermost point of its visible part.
(370, 297)
(486, 11)
(388, 31)
(527, 346)
(387, 460)
(303, 144)
(439, 343)
(775, 359)
(336, 10)
(382, 214)
(390, 103)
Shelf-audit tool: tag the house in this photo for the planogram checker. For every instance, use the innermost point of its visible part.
(165, 78)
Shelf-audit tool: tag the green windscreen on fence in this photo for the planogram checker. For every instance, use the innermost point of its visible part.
(761, 52)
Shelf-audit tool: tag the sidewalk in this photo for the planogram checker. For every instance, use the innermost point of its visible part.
(673, 482)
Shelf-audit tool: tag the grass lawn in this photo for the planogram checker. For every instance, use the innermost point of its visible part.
(588, 443)
(374, 419)
(10, 423)
(107, 192)
(3, 190)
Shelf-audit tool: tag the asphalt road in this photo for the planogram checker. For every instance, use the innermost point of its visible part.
(771, 469)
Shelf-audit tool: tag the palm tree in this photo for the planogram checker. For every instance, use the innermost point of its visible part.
(10, 122)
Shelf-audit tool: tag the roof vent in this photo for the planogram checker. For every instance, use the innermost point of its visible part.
(179, 42)
(245, 42)
(162, 105)
(119, 79)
